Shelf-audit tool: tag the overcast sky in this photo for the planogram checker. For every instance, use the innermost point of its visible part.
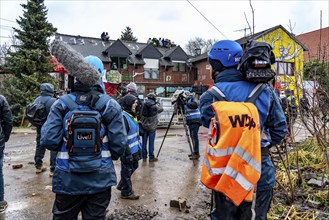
(178, 20)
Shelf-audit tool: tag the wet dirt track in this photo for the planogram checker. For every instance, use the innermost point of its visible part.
(30, 197)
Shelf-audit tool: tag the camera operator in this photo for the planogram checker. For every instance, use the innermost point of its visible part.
(193, 121)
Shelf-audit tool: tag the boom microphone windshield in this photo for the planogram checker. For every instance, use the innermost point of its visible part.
(75, 63)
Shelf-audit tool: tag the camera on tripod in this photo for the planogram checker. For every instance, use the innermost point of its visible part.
(179, 98)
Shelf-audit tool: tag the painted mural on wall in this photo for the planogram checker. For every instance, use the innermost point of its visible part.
(288, 54)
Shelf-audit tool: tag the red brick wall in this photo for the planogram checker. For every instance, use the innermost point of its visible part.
(167, 78)
(204, 74)
(317, 50)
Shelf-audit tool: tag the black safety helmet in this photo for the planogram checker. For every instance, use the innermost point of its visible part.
(151, 96)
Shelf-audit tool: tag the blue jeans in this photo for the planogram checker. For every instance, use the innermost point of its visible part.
(226, 210)
(2, 186)
(194, 130)
(40, 153)
(150, 136)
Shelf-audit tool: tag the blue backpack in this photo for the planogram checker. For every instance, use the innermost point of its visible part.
(83, 137)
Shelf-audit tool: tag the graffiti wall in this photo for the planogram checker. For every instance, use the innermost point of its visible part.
(289, 56)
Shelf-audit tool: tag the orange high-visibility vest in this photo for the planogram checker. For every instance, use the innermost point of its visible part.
(232, 163)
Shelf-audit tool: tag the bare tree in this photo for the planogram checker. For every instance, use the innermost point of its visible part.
(253, 18)
(198, 46)
(6, 47)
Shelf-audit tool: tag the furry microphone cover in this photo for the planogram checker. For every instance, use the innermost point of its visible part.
(75, 63)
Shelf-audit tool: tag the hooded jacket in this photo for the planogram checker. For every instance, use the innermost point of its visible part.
(6, 121)
(113, 145)
(46, 95)
(272, 119)
(150, 119)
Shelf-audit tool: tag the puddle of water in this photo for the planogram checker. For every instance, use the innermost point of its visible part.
(170, 135)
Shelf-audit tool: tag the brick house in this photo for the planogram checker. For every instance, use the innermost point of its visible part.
(317, 42)
(202, 73)
(153, 69)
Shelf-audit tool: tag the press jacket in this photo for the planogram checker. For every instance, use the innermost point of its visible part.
(133, 134)
(6, 121)
(192, 112)
(271, 116)
(114, 142)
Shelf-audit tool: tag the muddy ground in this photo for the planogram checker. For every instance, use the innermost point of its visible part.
(30, 197)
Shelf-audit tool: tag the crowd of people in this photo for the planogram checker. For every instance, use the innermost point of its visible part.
(161, 42)
(88, 130)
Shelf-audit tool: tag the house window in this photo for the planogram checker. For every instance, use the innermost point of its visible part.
(179, 66)
(151, 69)
(151, 73)
(119, 63)
(284, 68)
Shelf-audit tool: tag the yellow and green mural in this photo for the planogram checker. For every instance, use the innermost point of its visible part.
(289, 56)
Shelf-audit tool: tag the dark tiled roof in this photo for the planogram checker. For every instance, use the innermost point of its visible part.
(134, 51)
(134, 47)
(132, 59)
(149, 51)
(87, 45)
(199, 57)
(118, 49)
(166, 62)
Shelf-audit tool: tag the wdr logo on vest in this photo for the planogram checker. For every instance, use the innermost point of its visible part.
(243, 121)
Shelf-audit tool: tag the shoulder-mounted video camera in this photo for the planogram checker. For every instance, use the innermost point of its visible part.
(256, 62)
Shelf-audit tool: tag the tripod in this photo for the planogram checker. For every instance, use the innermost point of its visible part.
(180, 105)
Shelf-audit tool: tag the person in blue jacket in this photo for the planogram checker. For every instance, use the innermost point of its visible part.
(47, 98)
(87, 192)
(224, 58)
(193, 121)
(134, 147)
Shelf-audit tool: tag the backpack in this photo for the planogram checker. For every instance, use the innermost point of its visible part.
(83, 137)
(149, 109)
(255, 64)
(36, 112)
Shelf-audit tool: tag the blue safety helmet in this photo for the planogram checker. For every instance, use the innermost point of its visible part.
(97, 63)
(228, 52)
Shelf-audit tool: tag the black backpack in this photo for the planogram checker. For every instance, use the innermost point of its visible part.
(36, 112)
(255, 64)
(149, 108)
(83, 126)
